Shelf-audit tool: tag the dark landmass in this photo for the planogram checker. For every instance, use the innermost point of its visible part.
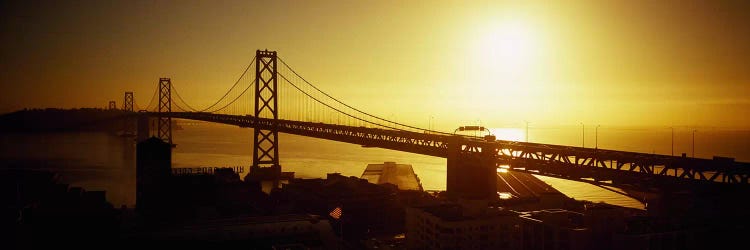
(222, 211)
(62, 120)
(39, 211)
(219, 210)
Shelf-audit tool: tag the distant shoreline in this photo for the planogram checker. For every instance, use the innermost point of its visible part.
(62, 120)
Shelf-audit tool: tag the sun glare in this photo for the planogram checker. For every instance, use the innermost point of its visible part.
(507, 47)
(505, 63)
(509, 134)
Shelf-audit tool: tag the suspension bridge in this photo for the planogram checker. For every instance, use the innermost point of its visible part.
(273, 98)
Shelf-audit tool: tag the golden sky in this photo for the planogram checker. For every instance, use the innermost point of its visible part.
(655, 63)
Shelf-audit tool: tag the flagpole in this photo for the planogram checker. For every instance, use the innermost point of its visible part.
(336, 214)
(341, 229)
(341, 225)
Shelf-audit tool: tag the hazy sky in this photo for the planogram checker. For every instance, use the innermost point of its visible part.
(657, 63)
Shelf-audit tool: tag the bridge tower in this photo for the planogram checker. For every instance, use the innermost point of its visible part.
(127, 104)
(265, 140)
(112, 105)
(164, 127)
(128, 126)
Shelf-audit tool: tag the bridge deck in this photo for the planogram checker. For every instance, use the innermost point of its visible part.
(568, 162)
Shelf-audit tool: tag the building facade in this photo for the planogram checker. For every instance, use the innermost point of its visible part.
(451, 226)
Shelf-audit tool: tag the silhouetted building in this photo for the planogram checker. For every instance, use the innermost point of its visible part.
(527, 193)
(220, 194)
(453, 226)
(695, 216)
(152, 170)
(604, 221)
(166, 198)
(472, 224)
(47, 214)
(385, 243)
(292, 231)
(554, 229)
(401, 175)
(163, 197)
(658, 233)
(366, 208)
(648, 232)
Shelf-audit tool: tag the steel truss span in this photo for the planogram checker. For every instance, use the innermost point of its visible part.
(575, 163)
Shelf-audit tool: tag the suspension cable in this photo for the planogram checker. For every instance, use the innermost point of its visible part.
(235, 99)
(230, 89)
(153, 97)
(353, 108)
(180, 98)
(308, 95)
(178, 106)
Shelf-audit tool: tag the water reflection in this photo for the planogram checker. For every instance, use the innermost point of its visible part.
(94, 161)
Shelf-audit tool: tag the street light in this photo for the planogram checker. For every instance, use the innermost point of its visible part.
(430, 124)
(479, 122)
(583, 135)
(672, 140)
(527, 131)
(596, 140)
(694, 143)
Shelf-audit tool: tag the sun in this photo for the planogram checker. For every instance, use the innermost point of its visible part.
(506, 48)
(505, 63)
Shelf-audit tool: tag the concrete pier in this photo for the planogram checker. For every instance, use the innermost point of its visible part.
(471, 175)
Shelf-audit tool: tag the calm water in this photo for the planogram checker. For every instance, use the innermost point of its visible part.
(94, 161)
(99, 161)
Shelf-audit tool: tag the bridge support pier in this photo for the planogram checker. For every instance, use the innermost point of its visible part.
(472, 171)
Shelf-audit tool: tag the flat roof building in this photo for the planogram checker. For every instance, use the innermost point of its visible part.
(451, 226)
(401, 175)
(554, 229)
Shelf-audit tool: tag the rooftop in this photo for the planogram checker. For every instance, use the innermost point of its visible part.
(401, 175)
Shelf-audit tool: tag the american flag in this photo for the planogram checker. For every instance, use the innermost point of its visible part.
(336, 213)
